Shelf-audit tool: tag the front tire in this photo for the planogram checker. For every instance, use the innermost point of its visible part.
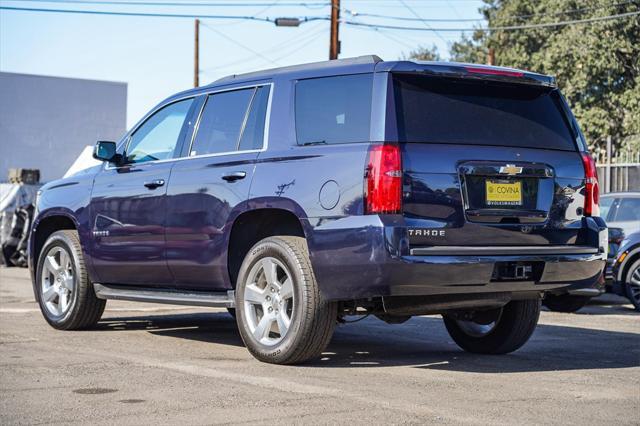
(499, 331)
(565, 302)
(63, 289)
(281, 315)
(632, 284)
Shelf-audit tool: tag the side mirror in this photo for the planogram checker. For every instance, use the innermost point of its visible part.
(106, 151)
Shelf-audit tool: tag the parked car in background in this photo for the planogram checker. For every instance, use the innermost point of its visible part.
(621, 210)
(300, 195)
(626, 270)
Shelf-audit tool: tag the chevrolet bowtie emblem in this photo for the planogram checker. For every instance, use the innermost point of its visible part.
(511, 169)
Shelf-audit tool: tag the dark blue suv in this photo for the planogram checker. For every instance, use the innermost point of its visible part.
(297, 196)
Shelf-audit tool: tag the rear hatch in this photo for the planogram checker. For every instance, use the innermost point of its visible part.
(487, 163)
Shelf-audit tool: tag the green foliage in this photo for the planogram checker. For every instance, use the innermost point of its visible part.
(597, 65)
(425, 54)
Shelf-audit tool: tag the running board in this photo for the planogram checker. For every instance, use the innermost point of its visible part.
(171, 297)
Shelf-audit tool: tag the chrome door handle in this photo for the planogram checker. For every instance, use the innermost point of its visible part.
(233, 176)
(154, 183)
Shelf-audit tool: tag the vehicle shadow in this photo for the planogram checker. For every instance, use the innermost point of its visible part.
(214, 327)
(422, 342)
(608, 304)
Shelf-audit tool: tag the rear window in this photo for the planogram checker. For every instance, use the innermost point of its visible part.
(440, 110)
(333, 109)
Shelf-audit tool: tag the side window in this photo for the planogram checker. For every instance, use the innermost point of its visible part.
(221, 122)
(606, 212)
(628, 210)
(157, 137)
(333, 109)
(253, 133)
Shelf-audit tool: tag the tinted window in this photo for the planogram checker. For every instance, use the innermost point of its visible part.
(253, 133)
(439, 110)
(628, 210)
(221, 122)
(333, 109)
(156, 139)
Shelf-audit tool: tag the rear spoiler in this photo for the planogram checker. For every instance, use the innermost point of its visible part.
(468, 71)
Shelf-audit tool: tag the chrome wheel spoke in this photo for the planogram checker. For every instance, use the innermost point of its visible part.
(254, 294)
(64, 261)
(270, 272)
(283, 322)
(51, 265)
(286, 290)
(635, 278)
(263, 328)
(50, 294)
(63, 303)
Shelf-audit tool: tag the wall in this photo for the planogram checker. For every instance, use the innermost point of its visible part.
(46, 122)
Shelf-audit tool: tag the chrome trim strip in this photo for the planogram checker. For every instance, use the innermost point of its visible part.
(501, 250)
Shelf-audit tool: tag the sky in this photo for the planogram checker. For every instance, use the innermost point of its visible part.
(154, 56)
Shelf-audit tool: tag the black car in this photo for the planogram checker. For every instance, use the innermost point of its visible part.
(300, 195)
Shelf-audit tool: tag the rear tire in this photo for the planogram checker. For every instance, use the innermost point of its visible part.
(281, 314)
(511, 327)
(63, 289)
(632, 284)
(565, 302)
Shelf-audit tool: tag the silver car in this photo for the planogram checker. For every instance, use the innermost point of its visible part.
(621, 210)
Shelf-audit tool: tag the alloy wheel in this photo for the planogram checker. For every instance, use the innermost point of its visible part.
(269, 301)
(57, 282)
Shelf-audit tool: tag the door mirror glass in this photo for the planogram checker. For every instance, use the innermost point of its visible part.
(105, 151)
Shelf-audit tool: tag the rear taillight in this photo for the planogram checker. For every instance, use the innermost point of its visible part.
(383, 180)
(592, 191)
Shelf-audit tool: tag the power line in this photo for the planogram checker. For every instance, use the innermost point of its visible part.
(404, 3)
(502, 28)
(169, 3)
(321, 18)
(221, 34)
(287, 43)
(156, 15)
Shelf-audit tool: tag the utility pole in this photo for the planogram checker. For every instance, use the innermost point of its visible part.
(608, 168)
(334, 44)
(196, 56)
(491, 57)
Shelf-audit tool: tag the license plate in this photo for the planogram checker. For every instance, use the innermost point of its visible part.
(504, 194)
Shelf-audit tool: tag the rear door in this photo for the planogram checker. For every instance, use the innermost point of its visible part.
(212, 182)
(487, 163)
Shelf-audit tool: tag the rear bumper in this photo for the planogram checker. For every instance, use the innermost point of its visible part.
(362, 257)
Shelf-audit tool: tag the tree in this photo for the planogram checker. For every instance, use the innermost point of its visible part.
(597, 65)
(425, 54)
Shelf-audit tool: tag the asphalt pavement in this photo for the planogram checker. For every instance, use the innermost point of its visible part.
(160, 364)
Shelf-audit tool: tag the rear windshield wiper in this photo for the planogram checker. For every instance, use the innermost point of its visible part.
(322, 142)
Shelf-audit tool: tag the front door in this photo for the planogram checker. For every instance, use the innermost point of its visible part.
(128, 202)
(206, 188)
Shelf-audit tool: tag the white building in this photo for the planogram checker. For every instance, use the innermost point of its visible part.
(46, 122)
